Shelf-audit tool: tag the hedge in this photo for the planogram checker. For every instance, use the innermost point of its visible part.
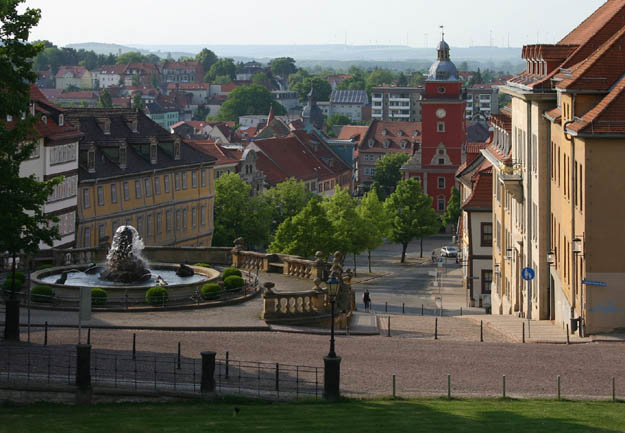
(229, 272)
(156, 295)
(211, 291)
(233, 282)
(98, 296)
(203, 265)
(42, 293)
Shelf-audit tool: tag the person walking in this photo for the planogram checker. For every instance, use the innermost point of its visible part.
(366, 298)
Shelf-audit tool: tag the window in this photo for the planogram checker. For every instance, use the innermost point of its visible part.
(441, 182)
(441, 204)
(387, 143)
(166, 182)
(153, 153)
(203, 215)
(91, 160)
(61, 120)
(148, 231)
(148, 189)
(140, 226)
(184, 179)
(440, 126)
(159, 225)
(177, 181)
(113, 193)
(137, 189)
(185, 219)
(100, 195)
(371, 142)
(157, 185)
(126, 192)
(486, 234)
(194, 178)
(107, 126)
(178, 221)
(193, 218)
(87, 237)
(168, 222)
(85, 198)
(203, 177)
(177, 149)
(441, 161)
(122, 156)
(442, 90)
(487, 279)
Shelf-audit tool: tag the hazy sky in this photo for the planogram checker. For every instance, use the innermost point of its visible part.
(360, 22)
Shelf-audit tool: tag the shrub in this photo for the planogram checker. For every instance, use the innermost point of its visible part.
(203, 265)
(233, 282)
(44, 266)
(42, 293)
(156, 295)
(7, 286)
(211, 291)
(229, 272)
(19, 276)
(98, 296)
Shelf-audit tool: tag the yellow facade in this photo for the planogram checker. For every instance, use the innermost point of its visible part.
(172, 207)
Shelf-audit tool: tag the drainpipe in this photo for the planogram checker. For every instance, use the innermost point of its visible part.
(571, 179)
(528, 210)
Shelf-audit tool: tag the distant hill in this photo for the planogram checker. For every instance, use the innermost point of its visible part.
(101, 48)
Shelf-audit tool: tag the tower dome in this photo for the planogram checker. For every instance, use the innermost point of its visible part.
(443, 69)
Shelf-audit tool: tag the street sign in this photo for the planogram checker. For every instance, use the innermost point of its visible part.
(594, 283)
(432, 274)
(440, 260)
(528, 274)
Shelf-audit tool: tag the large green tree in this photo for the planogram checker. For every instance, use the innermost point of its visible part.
(453, 211)
(286, 200)
(321, 89)
(23, 225)
(387, 172)
(306, 233)
(379, 77)
(410, 215)
(220, 68)
(130, 57)
(283, 66)
(376, 224)
(237, 214)
(245, 100)
(105, 100)
(207, 58)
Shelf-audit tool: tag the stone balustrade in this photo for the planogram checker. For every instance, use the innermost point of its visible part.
(291, 266)
(283, 306)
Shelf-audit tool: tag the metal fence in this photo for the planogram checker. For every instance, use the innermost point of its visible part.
(159, 372)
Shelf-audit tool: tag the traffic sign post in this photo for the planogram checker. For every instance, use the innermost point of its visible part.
(528, 275)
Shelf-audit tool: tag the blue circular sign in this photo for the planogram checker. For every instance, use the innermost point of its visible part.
(528, 274)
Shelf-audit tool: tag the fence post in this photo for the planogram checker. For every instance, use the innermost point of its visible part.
(568, 341)
(83, 373)
(504, 386)
(481, 331)
(449, 386)
(422, 309)
(394, 386)
(386, 307)
(207, 386)
(227, 363)
(558, 387)
(403, 308)
(388, 333)
(613, 389)
(134, 346)
(523, 332)
(436, 328)
(460, 311)
(45, 334)
(179, 355)
(89, 336)
(278, 379)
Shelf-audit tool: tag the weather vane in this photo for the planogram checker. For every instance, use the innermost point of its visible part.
(443, 31)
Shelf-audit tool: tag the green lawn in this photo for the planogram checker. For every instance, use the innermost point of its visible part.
(349, 416)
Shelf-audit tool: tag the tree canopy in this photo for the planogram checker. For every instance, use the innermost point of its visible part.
(453, 211)
(105, 100)
(286, 200)
(136, 57)
(247, 100)
(375, 221)
(321, 89)
(410, 214)
(222, 67)
(387, 172)
(283, 66)
(338, 119)
(206, 58)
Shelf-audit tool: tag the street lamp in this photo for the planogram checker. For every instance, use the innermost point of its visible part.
(551, 257)
(577, 245)
(333, 284)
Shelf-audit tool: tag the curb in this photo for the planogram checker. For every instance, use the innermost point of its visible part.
(157, 328)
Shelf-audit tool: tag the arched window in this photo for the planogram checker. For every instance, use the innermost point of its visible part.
(61, 120)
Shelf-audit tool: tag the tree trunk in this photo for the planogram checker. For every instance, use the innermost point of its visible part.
(13, 269)
(12, 312)
(369, 259)
(354, 264)
(403, 252)
(421, 247)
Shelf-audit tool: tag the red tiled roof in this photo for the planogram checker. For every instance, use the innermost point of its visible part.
(188, 86)
(76, 71)
(210, 147)
(350, 132)
(594, 23)
(111, 69)
(51, 129)
(396, 132)
(608, 116)
(481, 197)
(181, 65)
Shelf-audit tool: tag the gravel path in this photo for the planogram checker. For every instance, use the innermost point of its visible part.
(420, 363)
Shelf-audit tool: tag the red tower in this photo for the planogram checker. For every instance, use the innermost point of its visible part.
(443, 146)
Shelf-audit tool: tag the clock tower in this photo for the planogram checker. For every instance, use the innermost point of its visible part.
(443, 142)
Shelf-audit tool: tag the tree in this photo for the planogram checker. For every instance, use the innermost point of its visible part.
(321, 89)
(105, 100)
(402, 81)
(137, 102)
(372, 212)
(262, 79)
(297, 78)
(136, 80)
(252, 99)
(206, 58)
(350, 229)
(283, 66)
(23, 225)
(306, 233)
(379, 77)
(338, 119)
(286, 200)
(221, 67)
(453, 209)
(410, 215)
(387, 172)
(237, 214)
(129, 57)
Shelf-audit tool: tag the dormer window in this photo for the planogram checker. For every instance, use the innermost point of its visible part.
(107, 126)
(9, 118)
(177, 149)
(61, 120)
(135, 126)
(416, 134)
(400, 133)
(32, 109)
(371, 142)
(91, 160)
(387, 143)
(122, 156)
(44, 119)
(384, 132)
(153, 153)
(403, 144)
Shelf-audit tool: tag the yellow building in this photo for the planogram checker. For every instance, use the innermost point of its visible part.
(131, 171)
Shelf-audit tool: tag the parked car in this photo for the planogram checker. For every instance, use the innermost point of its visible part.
(449, 251)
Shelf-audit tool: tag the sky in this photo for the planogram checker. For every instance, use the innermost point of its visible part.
(284, 22)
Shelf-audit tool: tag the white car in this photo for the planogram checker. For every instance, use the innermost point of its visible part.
(449, 251)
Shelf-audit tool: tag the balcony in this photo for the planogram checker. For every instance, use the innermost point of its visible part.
(512, 178)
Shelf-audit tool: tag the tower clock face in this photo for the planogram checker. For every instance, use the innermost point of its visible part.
(441, 113)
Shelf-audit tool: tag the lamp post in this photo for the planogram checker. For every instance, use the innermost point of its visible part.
(332, 363)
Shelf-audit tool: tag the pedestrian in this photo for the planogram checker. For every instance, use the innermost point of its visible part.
(433, 256)
(366, 298)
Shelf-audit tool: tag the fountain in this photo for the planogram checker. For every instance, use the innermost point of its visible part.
(126, 272)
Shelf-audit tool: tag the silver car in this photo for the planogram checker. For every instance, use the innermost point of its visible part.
(449, 251)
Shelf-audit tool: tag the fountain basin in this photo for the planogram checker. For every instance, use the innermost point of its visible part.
(177, 287)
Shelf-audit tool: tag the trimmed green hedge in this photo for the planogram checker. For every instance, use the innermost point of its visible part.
(233, 282)
(42, 293)
(157, 295)
(229, 272)
(211, 291)
(203, 265)
(45, 266)
(7, 286)
(98, 296)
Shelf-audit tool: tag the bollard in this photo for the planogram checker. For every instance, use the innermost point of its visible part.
(436, 328)
(422, 309)
(523, 332)
(278, 378)
(134, 346)
(481, 331)
(178, 366)
(403, 309)
(460, 311)
(504, 386)
(386, 307)
(83, 373)
(558, 387)
(613, 389)
(227, 363)
(45, 334)
(388, 332)
(449, 386)
(89, 336)
(568, 339)
(207, 386)
(394, 386)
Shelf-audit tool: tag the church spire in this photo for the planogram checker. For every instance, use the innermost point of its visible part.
(443, 48)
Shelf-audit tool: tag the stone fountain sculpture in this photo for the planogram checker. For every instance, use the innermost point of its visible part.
(125, 264)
